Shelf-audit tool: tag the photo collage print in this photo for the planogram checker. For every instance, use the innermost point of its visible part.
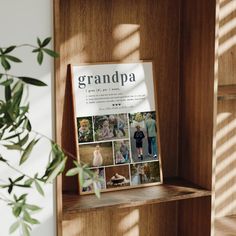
(121, 148)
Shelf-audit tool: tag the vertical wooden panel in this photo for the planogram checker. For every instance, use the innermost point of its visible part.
(194, 217)
(148, 220)
(225, 202)
(227, 42)
(197, 91)
(226, 134)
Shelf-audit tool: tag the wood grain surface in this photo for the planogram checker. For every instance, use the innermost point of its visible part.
(226, 92)
(197, 91)
(225, 187)
(226, 159)
(173, 191)
(227, 42)
(225, 226)
(194, 217)
(129, 222)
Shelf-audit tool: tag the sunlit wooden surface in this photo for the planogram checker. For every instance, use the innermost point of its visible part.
(225, 226)
(173, 190)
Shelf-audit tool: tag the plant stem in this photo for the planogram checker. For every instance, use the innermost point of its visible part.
(23, 45)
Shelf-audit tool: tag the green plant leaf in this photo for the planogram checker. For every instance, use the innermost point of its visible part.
(33, 207)
(13, 147)
(81, 177)
(40, 57)
(27, 124)
(12, 58)
(10, 188)
(2, 159)
(8, 93)
(29, 181)
(36, 50)
(57, 171)
(24, 140)
(19, 179)
(50, 52)
(96, 190)
(29, 219)
(7, 82)
(17, 210)
(28, 151)
(38, 187)
(32, 81)
(87, 183)
(14, 227)
(39, 42)
(22, 197)
(72, 172)
(25, 229)
(46, 41)
(9, 49)
(6, 65)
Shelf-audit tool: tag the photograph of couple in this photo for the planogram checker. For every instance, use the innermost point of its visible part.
(144, 136)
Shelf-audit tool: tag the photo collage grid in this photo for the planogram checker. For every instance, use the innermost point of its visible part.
(121, 148)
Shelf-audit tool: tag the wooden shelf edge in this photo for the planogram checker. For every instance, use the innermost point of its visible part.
(226, 92)
(171, 190)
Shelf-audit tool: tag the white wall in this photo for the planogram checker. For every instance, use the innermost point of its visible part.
(21, 21)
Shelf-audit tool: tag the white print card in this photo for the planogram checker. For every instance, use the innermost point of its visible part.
(117, 124)
(113, 88)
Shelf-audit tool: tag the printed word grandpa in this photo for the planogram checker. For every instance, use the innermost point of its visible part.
(116, 78)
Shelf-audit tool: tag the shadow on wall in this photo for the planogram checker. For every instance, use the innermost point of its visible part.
(226, 118)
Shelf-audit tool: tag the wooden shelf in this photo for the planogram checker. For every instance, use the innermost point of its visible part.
(171, 190)
(227, 92)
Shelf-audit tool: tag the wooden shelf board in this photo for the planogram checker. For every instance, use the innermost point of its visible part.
(225, 226)
(227, 92)
(171, 190)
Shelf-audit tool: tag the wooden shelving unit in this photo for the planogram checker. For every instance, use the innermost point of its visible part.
(172, 190)
(179, 37)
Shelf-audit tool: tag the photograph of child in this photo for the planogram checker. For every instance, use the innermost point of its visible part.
(143, 173)
(143, 136)
(96, 154)
(109, 127)
(85, 129)
(139, 136)
(117, 176)
(121, 152)
(100, 177)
